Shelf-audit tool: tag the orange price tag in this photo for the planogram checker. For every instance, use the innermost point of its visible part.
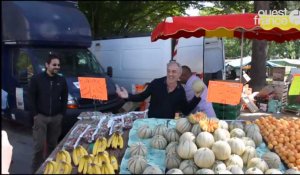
(93, 88)
(224, 92)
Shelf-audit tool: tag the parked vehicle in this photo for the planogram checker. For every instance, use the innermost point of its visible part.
(31, 30)
(137, 60)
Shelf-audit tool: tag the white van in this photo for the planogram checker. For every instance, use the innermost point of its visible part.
(137, 60)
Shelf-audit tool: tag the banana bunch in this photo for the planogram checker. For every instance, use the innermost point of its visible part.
(77, 153)
(84, 163)
(63, 155)
(51, 167)
(64, 167)
(100, 145)
(101, 157)
(107, 168)
(114, 162)
(115, 141)
(94, 169)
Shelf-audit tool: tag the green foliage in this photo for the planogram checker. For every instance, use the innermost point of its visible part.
(129, 18)
(232, 46)
(122, 18)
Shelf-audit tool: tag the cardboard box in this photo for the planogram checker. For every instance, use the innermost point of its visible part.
(278, 73)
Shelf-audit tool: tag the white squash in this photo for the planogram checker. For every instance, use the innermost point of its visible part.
(248, 142)
(145, 132)
(205, 140)
(248, 154)
(234, 160)
(251, 128)
(253, 170)
(237, 132)
(205, 171)
(221, 150)
(158, 142)
(218, 165)
(273, 171)
(255, 136)
(221, 134)
(160, 130)
(258, 163)
(188, 167)
(172, 161)
(137, 164)
(204, 158)
(138, 149)
(171, 148)
(187, 136)
(223, 124)
(171, 135)
(272, 159)
(235, 169)
(223, 172)
(292, 171)
(153, 169)
(236, 124)
(186, 149)
(196, 129)
(237, 145)
(174, 171)
(183, 125)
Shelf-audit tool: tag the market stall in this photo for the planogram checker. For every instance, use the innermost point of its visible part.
(89, 127)
(191, 144)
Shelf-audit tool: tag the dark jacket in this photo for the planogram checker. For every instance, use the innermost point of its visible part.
(48, 95)
(164, 104)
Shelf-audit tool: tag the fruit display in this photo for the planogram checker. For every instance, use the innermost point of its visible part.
(195, 118)
(192, 145)
(138, 149)
(77, 153)
(283, 136)
(116, 141)
(152, 170)
(209, 125)
(88, 148)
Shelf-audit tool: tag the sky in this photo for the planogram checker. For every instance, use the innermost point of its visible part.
(195, 12)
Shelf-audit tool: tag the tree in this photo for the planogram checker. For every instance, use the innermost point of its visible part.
(123, 18)
(259, 55)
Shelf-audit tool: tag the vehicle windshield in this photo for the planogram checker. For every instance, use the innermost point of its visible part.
(73, 62)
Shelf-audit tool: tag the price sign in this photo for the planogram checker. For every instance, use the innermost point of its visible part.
(224, 92)
(93, 88)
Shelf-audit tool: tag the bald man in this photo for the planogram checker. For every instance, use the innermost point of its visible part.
(167, 95)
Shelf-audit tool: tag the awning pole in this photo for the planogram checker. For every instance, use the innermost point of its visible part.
(241, 67)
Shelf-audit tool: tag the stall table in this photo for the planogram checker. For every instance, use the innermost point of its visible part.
(118, 153)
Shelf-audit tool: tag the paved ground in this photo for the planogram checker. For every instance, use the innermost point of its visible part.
(20, 138)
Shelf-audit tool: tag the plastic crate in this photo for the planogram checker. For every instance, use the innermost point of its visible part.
(227, 112)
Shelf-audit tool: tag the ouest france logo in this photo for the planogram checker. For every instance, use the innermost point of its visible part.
(278, 18)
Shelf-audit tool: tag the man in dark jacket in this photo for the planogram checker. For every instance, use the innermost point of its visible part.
(167, 95)
(48, 96)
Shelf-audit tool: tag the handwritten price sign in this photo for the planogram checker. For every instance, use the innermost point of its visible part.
(224, 92)
(93, 88)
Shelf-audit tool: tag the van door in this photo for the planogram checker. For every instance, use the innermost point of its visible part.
(22, 72)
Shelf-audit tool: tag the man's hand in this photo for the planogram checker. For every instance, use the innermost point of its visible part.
(6, 153)
(122, 92)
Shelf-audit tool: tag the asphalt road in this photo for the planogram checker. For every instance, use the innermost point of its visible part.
(20, 137)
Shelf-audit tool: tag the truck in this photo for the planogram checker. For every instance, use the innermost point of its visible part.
(31, 30)
(137, 60)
